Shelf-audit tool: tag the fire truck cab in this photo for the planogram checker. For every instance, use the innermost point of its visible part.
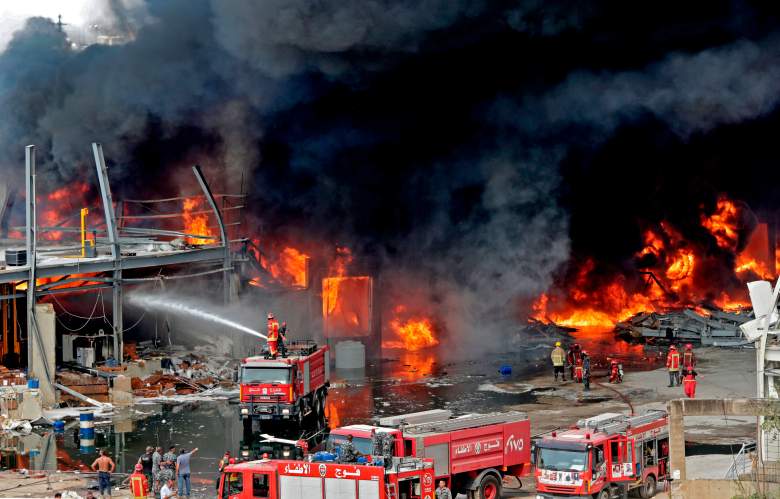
(471, 453)
(603, 456)
(408, 478)
(285, 389)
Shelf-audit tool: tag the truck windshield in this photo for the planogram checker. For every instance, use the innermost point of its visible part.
(280, 375)
(362, 445)
(561, 460)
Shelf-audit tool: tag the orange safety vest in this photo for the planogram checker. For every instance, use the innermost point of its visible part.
(673, 361)
(273, 330)
(689, 360)
(138, 485)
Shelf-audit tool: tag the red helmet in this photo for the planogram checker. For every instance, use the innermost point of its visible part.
(672, 347)
(232, 460)
(689, 346)
(138, 467)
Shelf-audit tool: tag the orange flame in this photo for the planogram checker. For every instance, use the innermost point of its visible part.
(196, 223)
(723, 224)
(413, 332)
(60, 205)
(345, 305)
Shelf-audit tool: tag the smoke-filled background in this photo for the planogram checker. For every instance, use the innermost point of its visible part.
(476, 151)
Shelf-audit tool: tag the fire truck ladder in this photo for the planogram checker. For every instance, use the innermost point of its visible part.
(469, 421)
(620, 423)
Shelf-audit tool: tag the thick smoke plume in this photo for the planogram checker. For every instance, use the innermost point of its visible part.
(456, 144)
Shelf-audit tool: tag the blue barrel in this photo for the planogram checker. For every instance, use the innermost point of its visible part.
(59, 426)
(33, 383)
(87, 426)
(505, 370)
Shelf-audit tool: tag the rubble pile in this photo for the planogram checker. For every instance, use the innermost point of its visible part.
(184, 372)
(9, 377)
(94, 387)
(707, 326)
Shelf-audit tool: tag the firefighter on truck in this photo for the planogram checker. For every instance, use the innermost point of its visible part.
(604, 456)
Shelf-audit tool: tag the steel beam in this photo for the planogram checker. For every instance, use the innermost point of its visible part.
(31, 237)
(222, 233)
(116, 253)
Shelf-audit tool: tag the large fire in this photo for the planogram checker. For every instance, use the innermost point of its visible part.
(669, 266)
(290, 267)
(60, 208)
(411, 332)
(346, 306)
(196, 221)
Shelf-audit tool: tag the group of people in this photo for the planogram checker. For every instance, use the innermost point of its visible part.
(155, 471)
(276, 337)
(576, 359)
(682, 367)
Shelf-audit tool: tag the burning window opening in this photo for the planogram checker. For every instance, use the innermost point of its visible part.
(196, 221)
(346, 306)
(290, 267)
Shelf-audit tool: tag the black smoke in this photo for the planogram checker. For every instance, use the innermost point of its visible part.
(472, 148)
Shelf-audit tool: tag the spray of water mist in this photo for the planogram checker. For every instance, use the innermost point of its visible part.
(168, 304)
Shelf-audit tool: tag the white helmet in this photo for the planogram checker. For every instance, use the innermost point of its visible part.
(270, 315)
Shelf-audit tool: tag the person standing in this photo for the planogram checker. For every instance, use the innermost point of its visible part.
(139, 484)
(272, 336)
(168, 465)
(688, 358)
(146, 463)
(167, 491)
(156, 461)
(558, 358)
(585, 371)
(689, 383)
(348, 454)
(442, 492)
(221, 465)
(282, 341)
(673, 364)
(571, 358)
(104, 466)
(183, 472)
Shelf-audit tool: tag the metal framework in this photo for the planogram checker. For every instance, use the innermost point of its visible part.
(116, 263)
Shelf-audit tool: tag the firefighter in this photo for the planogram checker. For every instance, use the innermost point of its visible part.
(688, 358)
(348, 452)
(273, 335)
(283, 340)
(578, 369)
(673, 364)
(689, 383)
(571, 358)
(585, 366)
(615, 372)
(558, 357)
(139, 484)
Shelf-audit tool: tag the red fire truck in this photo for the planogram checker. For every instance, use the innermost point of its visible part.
(471, 453)
(271, 479)
(602, 456)
(285, 389)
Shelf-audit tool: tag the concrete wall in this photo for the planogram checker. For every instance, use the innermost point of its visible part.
(718, 489)
(44, 315)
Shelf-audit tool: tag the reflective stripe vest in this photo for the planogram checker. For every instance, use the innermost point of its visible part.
(689, 360)
(138, 485)
(673, 361)
(558, 356)
(273, 330)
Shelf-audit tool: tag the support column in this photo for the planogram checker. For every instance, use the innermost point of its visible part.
(31, 237)
(676, 439)
(116, 255)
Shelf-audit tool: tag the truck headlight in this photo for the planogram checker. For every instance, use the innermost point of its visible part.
(245, 453)
(244, 410)
(286, 412)
(286, 453)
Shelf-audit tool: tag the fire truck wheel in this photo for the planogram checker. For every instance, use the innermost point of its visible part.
(604, 494)
(648, 488)
(317, 405)
(489, 488)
